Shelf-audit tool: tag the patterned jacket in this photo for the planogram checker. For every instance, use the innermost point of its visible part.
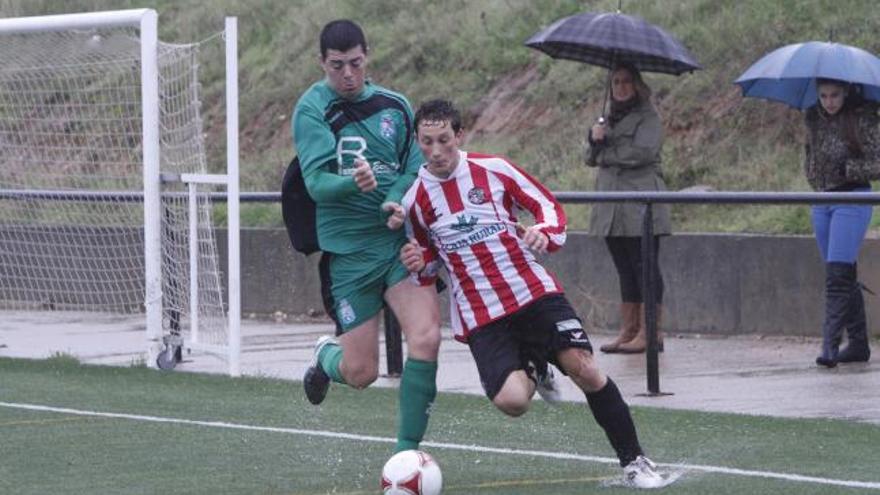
(829, 164)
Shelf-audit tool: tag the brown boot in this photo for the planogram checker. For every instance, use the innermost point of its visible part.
(639, 343)
(629, 326)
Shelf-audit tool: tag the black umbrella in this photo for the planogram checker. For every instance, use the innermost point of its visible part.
(606, 39)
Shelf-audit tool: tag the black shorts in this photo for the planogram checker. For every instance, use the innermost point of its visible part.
(535, 333)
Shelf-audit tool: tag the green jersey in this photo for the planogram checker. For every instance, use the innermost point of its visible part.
(329, 133)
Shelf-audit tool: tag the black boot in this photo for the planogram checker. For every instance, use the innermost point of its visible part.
(857, 349)
(840, 281)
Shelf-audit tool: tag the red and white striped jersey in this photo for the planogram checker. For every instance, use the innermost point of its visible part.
(468, 221)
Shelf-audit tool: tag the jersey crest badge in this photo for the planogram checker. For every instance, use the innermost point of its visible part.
(386, 126)
(477, 196)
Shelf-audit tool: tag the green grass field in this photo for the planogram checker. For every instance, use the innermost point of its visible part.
(137, 431)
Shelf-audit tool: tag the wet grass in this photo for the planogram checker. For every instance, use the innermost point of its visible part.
(66, 452)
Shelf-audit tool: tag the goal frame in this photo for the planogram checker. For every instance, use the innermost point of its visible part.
(146, 22)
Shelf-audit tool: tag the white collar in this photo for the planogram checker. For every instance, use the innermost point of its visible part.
(424, 174)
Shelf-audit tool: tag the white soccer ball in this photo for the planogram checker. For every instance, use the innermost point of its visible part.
(411, 472)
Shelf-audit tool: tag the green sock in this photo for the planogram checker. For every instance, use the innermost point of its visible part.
(418, 388)
(329, 358)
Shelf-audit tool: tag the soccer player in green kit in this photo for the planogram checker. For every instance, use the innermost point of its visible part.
(357, 149)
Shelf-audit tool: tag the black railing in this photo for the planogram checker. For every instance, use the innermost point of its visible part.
(563, 196)
(393, 339)
(649, 259)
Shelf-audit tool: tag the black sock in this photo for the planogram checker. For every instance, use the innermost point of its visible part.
(612, 414)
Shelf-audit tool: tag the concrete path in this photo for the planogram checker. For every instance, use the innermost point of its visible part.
(749, 375)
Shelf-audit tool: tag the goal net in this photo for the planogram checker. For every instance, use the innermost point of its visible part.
(80, 204)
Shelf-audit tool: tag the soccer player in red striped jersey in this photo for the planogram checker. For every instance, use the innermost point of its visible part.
(462, 213)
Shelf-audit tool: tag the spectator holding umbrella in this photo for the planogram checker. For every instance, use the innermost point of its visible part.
(842, 154)
(838, 87)
(626, 148)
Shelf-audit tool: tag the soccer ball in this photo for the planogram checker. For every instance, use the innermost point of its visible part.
(411, 472)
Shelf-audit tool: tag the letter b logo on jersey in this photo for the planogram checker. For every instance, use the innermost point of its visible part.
(348, 149)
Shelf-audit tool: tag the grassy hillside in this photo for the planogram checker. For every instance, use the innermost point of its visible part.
(521, 103)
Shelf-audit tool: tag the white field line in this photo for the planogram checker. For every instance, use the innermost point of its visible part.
(451, 446)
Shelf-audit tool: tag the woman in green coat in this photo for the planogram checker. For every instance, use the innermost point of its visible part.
(626, 149)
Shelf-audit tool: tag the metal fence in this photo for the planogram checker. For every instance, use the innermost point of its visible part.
(648, 199)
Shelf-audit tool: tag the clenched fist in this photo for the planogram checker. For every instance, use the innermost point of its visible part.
(395, 220)
(363, 176)
(597, 132)
(411, 256)
(536, 240)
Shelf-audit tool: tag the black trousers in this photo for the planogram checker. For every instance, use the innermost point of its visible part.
(627, 255)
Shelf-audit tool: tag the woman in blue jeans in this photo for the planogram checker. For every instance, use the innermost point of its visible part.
(842, 155)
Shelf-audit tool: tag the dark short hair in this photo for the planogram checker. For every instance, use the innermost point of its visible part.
(342, 35)
(439, 111)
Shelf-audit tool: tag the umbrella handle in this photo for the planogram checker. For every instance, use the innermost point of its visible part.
(608, 83)
(605, 95)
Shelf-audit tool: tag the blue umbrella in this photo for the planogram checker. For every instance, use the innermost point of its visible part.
(788, 74)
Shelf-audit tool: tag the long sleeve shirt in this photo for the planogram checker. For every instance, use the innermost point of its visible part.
(829, 164)
(468, 223)
(329, 133)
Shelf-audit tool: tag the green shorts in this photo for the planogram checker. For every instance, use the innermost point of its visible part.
(359, 281)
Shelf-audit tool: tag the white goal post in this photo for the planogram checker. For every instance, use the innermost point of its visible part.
(103, 177)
